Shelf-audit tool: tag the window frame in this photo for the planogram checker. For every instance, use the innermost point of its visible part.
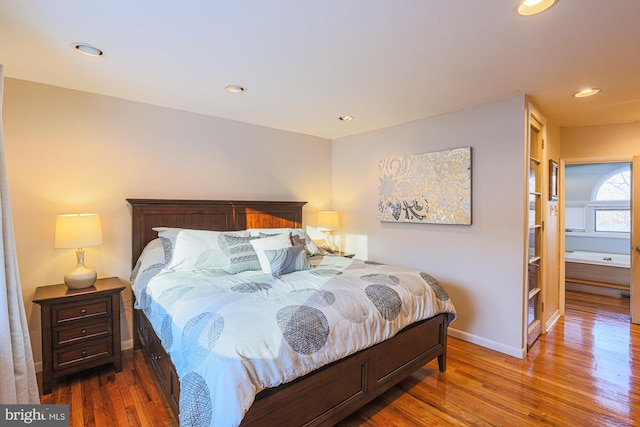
(591, 207)
(610, 209)
(589, 218)
(605, 179)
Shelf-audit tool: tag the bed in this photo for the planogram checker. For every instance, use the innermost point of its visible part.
(328, 390)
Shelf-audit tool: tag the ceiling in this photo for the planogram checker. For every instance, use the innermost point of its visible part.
(305, 63)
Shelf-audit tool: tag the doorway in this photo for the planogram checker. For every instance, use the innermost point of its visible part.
(597, 220)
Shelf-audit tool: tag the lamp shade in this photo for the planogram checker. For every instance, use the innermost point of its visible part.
(328, 220)
(78, 231)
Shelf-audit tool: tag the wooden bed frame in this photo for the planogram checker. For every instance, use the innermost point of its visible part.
(322, 397)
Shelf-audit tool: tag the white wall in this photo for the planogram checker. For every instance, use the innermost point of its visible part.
(481, 266)
(70, 151)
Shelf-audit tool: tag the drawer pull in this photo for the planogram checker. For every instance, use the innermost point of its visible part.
(83, 332)
(84, 353)
(154, 357)
(83, 311)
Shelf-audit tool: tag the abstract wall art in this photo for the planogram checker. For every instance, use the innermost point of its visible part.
(432, 188)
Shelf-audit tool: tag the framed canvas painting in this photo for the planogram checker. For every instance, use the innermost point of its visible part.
(432, 188)
(553, 180)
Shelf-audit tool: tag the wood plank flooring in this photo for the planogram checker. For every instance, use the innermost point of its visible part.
(100, 397)
(584, 373)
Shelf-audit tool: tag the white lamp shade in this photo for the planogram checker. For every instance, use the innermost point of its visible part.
(328, 220)
(78, 231)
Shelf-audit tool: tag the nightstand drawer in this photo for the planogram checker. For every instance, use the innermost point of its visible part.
(75, 333)
(81, 353)
(87, 309)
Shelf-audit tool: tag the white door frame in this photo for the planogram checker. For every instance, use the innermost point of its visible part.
(635, 240)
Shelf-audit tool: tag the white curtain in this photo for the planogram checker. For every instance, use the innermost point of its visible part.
(17, 371)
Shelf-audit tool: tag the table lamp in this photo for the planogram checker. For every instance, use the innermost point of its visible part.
(78, 231)
(328, 222)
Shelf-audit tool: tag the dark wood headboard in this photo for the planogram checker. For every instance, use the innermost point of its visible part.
(220, 215)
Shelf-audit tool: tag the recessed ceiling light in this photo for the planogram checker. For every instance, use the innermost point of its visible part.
(346, 118)
(236, 88)
(587, 92)
(533, 7)
(87, 49)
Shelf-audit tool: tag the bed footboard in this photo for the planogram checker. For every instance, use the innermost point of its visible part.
(329, 394)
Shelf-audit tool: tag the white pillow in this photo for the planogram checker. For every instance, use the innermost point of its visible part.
(168, 236)
(279, 241)
(168, 232)
(200, 249)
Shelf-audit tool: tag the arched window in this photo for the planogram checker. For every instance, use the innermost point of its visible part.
(614, 186)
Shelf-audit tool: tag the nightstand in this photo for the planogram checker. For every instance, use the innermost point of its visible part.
(80, 328)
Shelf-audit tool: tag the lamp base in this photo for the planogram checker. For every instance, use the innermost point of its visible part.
(80, 277)
(75, 281)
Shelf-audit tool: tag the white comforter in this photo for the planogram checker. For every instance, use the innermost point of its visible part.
(231, 336)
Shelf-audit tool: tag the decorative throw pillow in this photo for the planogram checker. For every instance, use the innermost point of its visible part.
(199, 249)
(238, 249)
(269, 231)
(308, 244)
(279, 241)
(287, 260)
(297, 235)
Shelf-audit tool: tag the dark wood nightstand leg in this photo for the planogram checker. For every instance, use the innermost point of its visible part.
(47, 380)
(47, 369)
(115, 315)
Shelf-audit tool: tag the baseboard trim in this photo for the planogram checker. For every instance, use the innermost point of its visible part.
(551, 322)
(492, 345)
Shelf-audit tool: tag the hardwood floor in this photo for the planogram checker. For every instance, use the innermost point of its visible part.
(584, 373)
(100, 397)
